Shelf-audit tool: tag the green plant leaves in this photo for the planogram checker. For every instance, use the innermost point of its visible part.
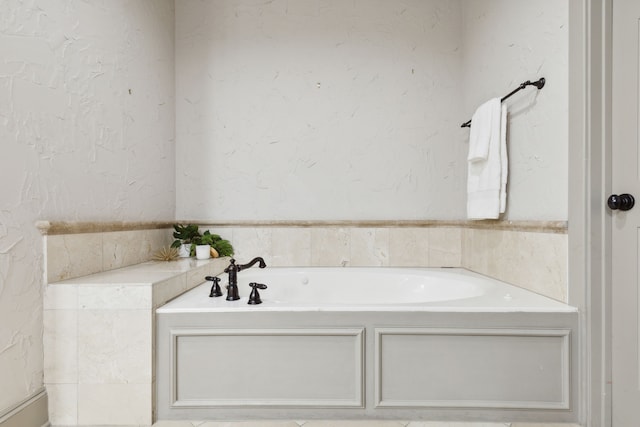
(190, 234)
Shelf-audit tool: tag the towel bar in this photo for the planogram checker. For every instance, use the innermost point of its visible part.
(539, 84)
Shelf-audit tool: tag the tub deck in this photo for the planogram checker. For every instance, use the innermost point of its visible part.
(296, 289)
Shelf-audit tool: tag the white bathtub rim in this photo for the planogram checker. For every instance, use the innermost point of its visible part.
(505, 298)
(244, 307)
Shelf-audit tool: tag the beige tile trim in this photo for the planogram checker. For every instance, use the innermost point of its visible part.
(65, 227)
(559, 227)
(52, 228)
(32, 412)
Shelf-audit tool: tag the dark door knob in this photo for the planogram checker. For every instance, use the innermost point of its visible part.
(623, 202)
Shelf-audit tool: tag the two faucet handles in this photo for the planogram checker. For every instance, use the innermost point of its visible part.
(254, 298)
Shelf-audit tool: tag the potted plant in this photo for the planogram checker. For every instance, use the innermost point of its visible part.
(185, 236)
(202, 247)
(212, 244)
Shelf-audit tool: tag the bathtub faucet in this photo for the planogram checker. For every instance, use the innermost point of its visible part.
(233, 269)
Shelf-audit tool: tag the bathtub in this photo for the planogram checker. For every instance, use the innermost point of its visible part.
(367, 343)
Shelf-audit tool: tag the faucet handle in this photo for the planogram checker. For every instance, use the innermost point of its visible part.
(254, 298)
(215, 288)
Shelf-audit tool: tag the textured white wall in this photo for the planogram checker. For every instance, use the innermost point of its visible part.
(334, 110)
(86, 133)
(505, 43)
(319, 110)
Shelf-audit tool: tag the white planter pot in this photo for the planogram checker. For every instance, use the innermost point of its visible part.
(203, 252)
(184, 250)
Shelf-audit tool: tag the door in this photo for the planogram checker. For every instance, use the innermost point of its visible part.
(625, 232)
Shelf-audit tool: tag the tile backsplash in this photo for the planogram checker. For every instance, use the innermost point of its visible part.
(535, 258)
(535, 261)
(348, 246)
(532, 257)
(76, 255)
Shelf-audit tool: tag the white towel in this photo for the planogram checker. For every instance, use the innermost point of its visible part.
(480, 135)
(486, 185)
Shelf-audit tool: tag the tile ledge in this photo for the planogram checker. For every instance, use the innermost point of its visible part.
(105, 277)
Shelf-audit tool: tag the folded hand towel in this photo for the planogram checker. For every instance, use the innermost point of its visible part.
(480, 134)
(485, 170)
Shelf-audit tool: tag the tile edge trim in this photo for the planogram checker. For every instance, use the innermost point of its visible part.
(70, 227)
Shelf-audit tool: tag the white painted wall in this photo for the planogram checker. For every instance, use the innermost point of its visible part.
(334, 110)
(319, 110)
(86, 133)
(505, 43)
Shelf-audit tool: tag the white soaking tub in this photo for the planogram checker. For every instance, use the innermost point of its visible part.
(367, 343)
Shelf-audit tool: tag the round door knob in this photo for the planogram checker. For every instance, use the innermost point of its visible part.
(623, 202)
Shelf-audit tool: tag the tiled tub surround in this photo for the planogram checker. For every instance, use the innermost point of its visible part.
(99, 324)
(531, 254)
(99, 340)
(75, 249)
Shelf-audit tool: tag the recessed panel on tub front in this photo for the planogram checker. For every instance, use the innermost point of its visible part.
(472, 368)
(267, 367)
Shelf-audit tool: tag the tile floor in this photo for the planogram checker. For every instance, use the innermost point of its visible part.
(338, 423)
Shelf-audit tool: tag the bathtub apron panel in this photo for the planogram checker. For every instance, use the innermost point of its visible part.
(213, 367)
(472, 368)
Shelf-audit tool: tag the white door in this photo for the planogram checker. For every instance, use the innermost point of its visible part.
(626, 224)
